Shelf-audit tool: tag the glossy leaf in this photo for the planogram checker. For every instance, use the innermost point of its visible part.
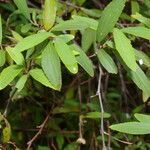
(142, 19)
(132, 128)
(21, 82)
(141, 80)
(2, 58)
(107, 61)
(31, 41)
(125, 49)
(23, 8)
(51, 65)
(88, 38)
(15, 55)
(109, 18)
(142, 118)
(66, 55)
(0, 30)
(8, 74)
(83, 60)
(142, 32)
(39, 76)
(49, 13)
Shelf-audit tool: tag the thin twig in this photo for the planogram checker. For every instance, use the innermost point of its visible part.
(41, 127)
(101, 106)
(125, 142)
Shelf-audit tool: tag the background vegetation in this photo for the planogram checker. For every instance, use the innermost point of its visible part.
(73, 73)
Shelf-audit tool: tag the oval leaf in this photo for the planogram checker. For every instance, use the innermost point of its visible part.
(142, 32)
(16, 56)
(142, 118)
(78, 23)
(132, 128)
(125, 49)
(83, 60)
(8, 75)
(51, 65)
(66, 55)
(107, 61)
(31, 41)
(109, 18)
(39, 76)
(21, 82)
(88, 38)
(141, 80)
(49, 13)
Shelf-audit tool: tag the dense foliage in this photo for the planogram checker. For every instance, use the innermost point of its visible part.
(74, 74)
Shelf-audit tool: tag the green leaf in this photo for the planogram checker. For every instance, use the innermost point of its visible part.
(96, 115)
(91, 12)
(51, 65)
(78, 23)
(60, 141)
(66, 55)
(26, 28)
(17, 36)
(2, 58)
(142, 118)
(0, 29)
(107, 61)
(141, 80)
(39, 76)
(6, 134)
(83, 60)
(132, 128)
(145, 96)
(15, 55)
(43, 148)
(125, 49)
(49, 13)
(142, 56)
(31, 41)
(142, 32)
(8, 74)
(91, 23)
(134, 7)
(142, 19)
(109, 18)
(21, 82)
(65, 37)
(88, 38)
(23, 8)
